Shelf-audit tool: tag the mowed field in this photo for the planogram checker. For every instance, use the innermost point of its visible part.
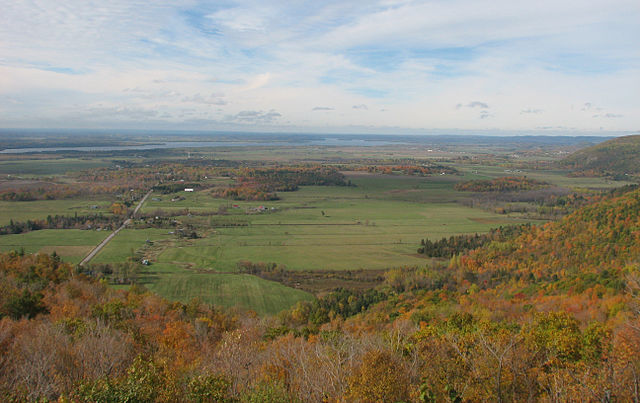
(71, 244)
(40, 209)
(183, 282)
(230, 290)
(377, 224)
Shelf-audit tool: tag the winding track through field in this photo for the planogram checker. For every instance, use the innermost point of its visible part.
(114, 233)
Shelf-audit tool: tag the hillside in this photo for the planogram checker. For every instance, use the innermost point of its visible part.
(545, 314)
(617, 158)
(604, 236)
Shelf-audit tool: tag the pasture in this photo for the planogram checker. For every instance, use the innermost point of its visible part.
(40, 209)
(71, 244)
(49, 166)
(377, 224)
(230, 290)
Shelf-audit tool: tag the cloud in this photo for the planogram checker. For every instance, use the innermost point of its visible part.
(237, 19)
(256, 82)
(555, 128)
(361, 107)
(118, 112)
(213, 99)
(414, 59)
(254, 117)
(322, 108)
(474, 104)
(588, 106)
(608, 116)
(531, 111)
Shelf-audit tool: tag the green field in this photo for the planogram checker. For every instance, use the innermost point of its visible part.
(555, 177)
(71, 244)
(376, 225)
(50, 166)
(40, 209)
(127, 242)
(230, 290)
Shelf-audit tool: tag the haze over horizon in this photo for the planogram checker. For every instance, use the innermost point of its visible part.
(353, 67)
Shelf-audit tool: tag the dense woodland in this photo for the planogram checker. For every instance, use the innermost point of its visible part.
(501, 184)
(458, 244)
(547, 313)
(261, 184)
(412, 170)
(618, 158)
(130, 182)
(63, 222)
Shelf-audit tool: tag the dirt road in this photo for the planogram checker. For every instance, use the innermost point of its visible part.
(102, 244)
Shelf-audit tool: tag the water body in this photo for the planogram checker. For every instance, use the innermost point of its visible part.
(329, 141)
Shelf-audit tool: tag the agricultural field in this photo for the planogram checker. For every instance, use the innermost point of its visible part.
(124, 245)
(243, 291)
(375, 225)
(40, 209)
(49, 167)
(201, 245)
(70, 244)
(557, 177)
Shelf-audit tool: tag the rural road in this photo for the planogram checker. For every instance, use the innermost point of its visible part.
(114, 233)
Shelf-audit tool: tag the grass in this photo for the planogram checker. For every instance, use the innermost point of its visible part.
(376, 225)
(40, 209)
(71, 244)
(556, 177)
(229, 290)
(49, 167)
(123, 245)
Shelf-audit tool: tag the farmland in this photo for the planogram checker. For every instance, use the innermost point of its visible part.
(199, 245)
(71, 244)
(40, 209)
(371, 226)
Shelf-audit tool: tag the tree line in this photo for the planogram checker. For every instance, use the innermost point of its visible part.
(76, 221)
(501, 184)
(549, 313)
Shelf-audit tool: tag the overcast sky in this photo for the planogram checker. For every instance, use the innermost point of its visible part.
(341, 66)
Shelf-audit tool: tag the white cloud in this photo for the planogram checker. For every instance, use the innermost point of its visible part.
(412, 59)
(256, 82)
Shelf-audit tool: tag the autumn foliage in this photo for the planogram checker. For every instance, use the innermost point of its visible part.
(547, 313)
(501, 184)
(261, 184)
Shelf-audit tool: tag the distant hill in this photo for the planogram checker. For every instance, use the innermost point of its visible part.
(618, 158)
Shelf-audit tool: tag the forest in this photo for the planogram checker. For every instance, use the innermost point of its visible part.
(502, 184)
(366, 274)
(617, 158)
(547, 312)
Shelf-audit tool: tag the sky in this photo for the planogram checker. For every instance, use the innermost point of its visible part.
(381, 66)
